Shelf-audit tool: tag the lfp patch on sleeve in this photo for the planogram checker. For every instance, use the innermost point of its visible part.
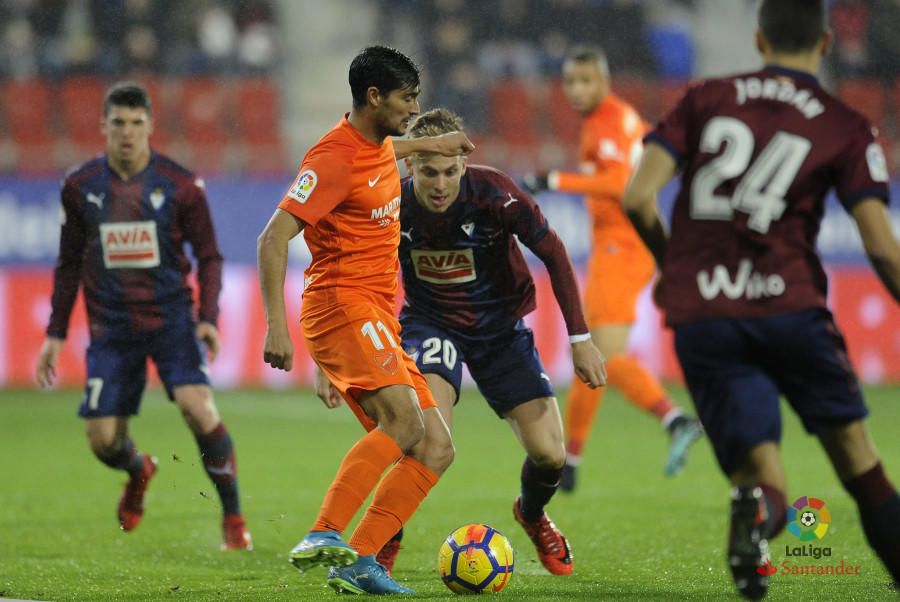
(877, 163)
(303, 187)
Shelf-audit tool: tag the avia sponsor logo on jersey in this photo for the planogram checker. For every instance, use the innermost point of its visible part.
(746, 283)
(304, 186)
(390, 212)
(444, 267)
(130, 244)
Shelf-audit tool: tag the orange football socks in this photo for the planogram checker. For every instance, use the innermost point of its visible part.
(637, 385)
(580, 412)
(357, 476)
(396, 499)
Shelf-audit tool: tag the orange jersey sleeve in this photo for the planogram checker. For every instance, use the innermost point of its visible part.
(611, 143)
(329, 163)
(348, 194)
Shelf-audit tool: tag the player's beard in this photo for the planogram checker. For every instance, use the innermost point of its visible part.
(385, 128)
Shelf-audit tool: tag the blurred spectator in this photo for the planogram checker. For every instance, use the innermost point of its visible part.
(116, 37)
(850, 23)
(884, 40)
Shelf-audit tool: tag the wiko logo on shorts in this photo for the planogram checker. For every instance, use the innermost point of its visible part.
(808, 518)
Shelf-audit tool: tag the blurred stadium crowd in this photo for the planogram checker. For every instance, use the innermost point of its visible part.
(213, 68)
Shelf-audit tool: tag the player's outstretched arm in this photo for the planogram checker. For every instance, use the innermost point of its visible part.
(47, 360)
(271, 259)
(879, 241)
(656, 168)
(449, 145)
(607, 182)
(589, 363)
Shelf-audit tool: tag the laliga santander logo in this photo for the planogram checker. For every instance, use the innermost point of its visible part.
(808, 518)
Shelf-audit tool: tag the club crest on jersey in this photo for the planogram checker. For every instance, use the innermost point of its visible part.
(304, 186)
(468, 228)
(157, 198)
(386, 359)
(444, 267)
(130, 245)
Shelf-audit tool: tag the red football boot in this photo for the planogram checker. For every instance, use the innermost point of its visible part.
(552, 547)
(237, 537)
(131, 504)
(387, 556)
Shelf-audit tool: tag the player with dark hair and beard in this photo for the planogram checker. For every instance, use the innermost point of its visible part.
(743, 286)
(346, 201)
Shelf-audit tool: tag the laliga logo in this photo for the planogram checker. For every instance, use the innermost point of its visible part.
(808, 518)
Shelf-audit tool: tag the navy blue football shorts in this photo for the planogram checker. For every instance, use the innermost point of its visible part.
(736, 369)
(507, 369)
(117, 368)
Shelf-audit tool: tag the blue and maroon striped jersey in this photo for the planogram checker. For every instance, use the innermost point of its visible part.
(758, 153)
(463, 269)
(123, 241)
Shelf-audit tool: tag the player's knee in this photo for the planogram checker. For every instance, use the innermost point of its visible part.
(549, 458)
(104, 442)
(197, 407)
(404, 426)
(103, 446)
(441, 455)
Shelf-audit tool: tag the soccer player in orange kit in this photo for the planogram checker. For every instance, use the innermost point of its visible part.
(620, 265)
(346, 201)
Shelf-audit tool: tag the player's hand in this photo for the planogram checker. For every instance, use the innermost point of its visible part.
(47, 360)
(327, 391)
(278, 350)
(209, 334)
(590, 365)
(534, 183)
(452, 144)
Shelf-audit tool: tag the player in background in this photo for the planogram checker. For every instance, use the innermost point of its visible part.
(127, 216)
(467, 290)
(346, 201)
(743, 286)
(619, 267)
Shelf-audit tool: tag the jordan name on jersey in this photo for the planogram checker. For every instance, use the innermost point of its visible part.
(444, 267)
(130, 244)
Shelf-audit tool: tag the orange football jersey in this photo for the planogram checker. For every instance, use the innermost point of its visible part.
(611, 144)
(348, 194)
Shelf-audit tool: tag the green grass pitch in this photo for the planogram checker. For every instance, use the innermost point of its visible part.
(636, 535)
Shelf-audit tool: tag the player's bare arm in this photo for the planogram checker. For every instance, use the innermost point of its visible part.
(449, 145)
(589, 363)
(47, 360)
(879, 241)
(327, 392)
(209, 334)
(656, 168)
(271, 257)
